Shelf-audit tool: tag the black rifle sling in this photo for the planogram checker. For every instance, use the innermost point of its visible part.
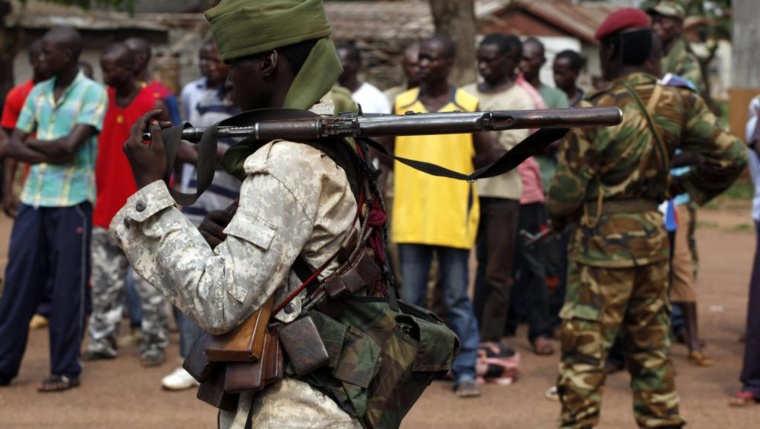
(532, 145)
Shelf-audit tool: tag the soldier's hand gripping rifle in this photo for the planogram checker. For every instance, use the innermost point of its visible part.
(299, 125)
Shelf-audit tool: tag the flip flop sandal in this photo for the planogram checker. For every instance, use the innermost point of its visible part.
(743, 399)
(58, 383)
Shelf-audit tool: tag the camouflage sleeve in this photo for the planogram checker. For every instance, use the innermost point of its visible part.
(576, 167)
(724, 154)
(278, 212)
(693, 72)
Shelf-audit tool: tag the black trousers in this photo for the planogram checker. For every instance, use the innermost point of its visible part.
(497, 234)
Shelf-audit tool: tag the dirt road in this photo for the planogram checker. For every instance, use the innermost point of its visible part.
(121, 394)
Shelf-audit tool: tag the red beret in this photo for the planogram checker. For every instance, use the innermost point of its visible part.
(624, 19)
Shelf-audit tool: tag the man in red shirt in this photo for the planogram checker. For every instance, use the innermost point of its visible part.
(127, 101)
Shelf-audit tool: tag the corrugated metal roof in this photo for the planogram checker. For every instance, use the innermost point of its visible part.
(580, 20)
(411, 19)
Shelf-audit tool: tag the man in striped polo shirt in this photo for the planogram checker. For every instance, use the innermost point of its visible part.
(51, 235)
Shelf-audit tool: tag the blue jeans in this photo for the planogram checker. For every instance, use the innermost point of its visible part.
(415, 262)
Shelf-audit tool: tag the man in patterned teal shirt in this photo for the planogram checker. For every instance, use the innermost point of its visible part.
(50, 241)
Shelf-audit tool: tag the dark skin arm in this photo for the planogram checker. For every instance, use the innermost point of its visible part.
(212, 227)
(188, 153)
(487, 149)
(10, 202)
(685, 159)
(62, 149)
(19, 149)
(164, 115)
(4, 141)
(66, 147)
(148, 161)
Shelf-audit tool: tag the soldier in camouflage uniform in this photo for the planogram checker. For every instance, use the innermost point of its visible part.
(667, 22)
(294, 201)
(109, 271)
(611, 180)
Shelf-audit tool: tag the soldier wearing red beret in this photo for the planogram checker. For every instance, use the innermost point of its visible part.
(609, 183)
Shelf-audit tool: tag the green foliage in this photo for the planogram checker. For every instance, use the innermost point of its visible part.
(125, 5)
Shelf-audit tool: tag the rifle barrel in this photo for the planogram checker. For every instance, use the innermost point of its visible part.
(416, 124)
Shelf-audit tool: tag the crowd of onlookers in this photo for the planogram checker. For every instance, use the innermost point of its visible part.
(63, 135)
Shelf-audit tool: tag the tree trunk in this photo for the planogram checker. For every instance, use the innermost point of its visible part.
(456, 19)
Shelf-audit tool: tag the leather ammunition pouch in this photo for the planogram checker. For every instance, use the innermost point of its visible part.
(222, 381)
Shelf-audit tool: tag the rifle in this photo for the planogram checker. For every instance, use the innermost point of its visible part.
(264, 125)
(410, 124)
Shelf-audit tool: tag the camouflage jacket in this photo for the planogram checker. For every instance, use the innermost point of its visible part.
(682, 62)
(623, 163)
(294, 201)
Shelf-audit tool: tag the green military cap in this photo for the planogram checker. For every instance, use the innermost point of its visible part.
(246, 27)
(668, 8)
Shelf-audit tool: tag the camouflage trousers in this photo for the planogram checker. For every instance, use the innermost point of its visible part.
(600, 303)
(109, 269)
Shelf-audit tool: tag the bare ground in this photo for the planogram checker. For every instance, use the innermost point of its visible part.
(121, 394)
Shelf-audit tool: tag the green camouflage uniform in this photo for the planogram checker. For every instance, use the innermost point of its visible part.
(618, 259)
(682, 62)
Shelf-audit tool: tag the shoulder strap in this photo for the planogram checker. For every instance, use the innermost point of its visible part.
(661, 147)
(535, 143)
